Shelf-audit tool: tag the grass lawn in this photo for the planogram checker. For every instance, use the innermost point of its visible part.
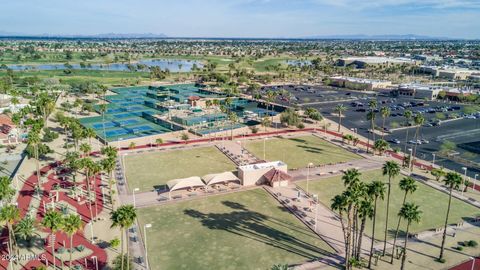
(298, 152)
(242, 230)
(433, 203)
(147, 170)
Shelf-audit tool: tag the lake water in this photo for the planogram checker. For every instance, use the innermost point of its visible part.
(174, 65)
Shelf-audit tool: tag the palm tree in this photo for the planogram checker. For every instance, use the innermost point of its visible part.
(34, 141)
(25, 229)
(408, 185)
(381, 146)
(270, 97)
(10, 214)
(392, 169)
(108, 164)
(123, 217)
(384, 112)
(365, 211)
(408, 116)
(453, 181)
(340, 109)
(339, 204)
(71, 224)
(376, 189)
(410, 213)
(6, 191)
(266, 122)
(89, 133)
(86, 149)
(233, 119)
(53, 221)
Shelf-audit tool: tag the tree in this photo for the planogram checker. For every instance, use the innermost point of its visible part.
(184, 137)
(266, 122)
(364, 211)
(410, 213)
(158, 141)
(384, 112)
(453, 181)
(6, 191)
(108, 164)
(123, 217)
(375, 189)
(25, 229)
(372, 105)
(86, 149)
(407, 185)
(10, 214)
(438, 173)
(340, 109)
(34, 141)
(53, 221)
(381, 146)
(71, 225)
(233, 118)
(419, 121)
(89, 133)
(391, 169)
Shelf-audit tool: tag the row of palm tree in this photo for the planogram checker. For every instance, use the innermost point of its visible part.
(123, 218)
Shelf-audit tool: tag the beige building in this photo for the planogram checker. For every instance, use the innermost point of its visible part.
(418, 91)
(254, 174)
(359, 83)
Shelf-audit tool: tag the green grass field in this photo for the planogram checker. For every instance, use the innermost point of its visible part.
(432, 203)
(298, 152)
(147, 170)
(242, 230)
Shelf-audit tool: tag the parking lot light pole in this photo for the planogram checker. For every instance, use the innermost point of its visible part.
(145, 227)
(410, 160)
(475, 181)
(433, 161)
(134, 203)
(464, 178)
(308, 174)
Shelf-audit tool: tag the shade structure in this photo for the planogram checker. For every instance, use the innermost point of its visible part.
(215, 178)
(276, 176)
(193, 181)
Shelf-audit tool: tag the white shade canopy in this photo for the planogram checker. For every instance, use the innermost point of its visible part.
(215, 178)
(193, 181)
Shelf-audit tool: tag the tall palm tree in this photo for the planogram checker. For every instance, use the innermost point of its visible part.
(384, 112)
(266, 122)
(372, 106)
(10, 214)
(53, 221)
(391, 169)
(339, 204)
(410, 213)
(34, 141)
(453, 181)
(381, 146)
(270, 97)
(123, 217)
(408, 114)
(71, 225)
(407, 185)
(89, 133)
(233, 118)
(108, 165)
(340, 109)
(365, 211)
(371, 117)
(376, 190)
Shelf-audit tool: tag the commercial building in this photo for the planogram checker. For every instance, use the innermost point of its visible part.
(451, 73)
(418, 91)
(359, 83)
(362, 62)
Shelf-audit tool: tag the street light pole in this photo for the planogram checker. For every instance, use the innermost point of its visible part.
(410, 161)
(134, 203)
(433, 161)
(464, 178)
(145, 227)
(308, 175)
(475, 181)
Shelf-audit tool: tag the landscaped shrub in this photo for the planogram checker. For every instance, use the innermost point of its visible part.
(80, 248)
(61, 250)
(471, 243)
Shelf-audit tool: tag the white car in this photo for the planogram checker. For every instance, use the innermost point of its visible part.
(425, 141)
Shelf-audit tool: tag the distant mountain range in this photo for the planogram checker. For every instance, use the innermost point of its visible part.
(380, 37)
(151, 35)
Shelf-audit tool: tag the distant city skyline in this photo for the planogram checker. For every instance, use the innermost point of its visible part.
(244, 18)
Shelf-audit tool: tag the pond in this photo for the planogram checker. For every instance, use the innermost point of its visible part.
(174, 65)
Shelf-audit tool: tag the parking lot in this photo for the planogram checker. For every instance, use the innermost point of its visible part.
(444, 121)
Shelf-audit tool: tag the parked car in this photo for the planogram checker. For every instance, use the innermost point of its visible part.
(395, 141)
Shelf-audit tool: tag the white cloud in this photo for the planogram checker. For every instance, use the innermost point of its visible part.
(437, 4)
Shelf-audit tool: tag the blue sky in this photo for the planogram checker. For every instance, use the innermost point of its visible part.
(244, 18)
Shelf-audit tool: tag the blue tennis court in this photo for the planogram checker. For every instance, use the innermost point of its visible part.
(103, 125)
(127, 122)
